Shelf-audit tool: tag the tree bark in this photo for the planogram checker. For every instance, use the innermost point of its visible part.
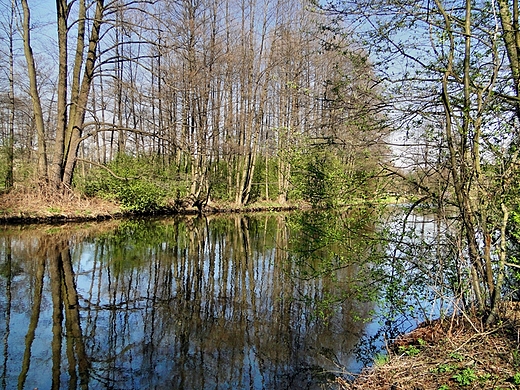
(77, 121)
(35, 97)
(61, 120)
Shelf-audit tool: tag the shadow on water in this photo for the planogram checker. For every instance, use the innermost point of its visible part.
(237, 302)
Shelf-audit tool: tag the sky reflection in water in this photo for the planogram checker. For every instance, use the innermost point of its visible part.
(178, 304)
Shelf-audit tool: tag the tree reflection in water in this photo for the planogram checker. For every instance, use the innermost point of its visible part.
(191, 303)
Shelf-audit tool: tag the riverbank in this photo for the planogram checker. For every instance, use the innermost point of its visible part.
(21, 206)
(446, 355)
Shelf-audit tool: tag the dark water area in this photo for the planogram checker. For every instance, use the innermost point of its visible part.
(192, 303)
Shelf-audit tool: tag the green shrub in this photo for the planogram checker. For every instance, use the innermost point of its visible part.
(140, 195)
(136, 183)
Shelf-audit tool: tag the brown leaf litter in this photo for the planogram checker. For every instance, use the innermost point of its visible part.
(454, 353)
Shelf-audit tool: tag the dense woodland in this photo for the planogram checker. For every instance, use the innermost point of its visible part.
(168, 102)
(186, 102)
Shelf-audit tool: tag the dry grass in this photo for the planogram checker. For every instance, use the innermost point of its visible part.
(31, 204)
(452, 354)
(40, 204)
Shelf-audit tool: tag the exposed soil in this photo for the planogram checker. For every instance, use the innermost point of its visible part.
(456, 353)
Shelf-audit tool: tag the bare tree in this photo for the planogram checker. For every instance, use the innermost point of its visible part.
(460, 100)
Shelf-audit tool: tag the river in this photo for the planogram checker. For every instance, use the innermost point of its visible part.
(264, 301)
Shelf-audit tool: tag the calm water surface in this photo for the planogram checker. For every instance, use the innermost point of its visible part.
(190, 303)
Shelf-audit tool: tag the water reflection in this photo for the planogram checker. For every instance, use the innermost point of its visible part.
(180, 304)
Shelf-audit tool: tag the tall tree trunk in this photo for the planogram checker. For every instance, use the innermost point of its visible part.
(78, 119)
(61, 120)
(9, 178)
(35, 97)
(460, 155)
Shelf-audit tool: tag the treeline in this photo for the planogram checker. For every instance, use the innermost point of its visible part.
(233, 100)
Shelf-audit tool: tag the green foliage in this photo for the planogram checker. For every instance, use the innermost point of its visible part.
(140, 195)
(23, 168)
(513, 274)
(139, 184)
(340, 248)
(327, 240)
(4, 166)
(465, 377)
(482, 136)
(53, 210)
(516, 379)
(381, 359)
(410, 350)
(218, 179)
(456, 356)
(131, 245)
(317, 180)
(322, 177)
(516, 358)
(325, 307)
(266, 171)
(318, 174)
(445, 368)
(9, 269)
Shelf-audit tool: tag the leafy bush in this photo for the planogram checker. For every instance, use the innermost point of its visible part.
(321, 178)
(140, 195)
(136, 183)
(218, 178)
